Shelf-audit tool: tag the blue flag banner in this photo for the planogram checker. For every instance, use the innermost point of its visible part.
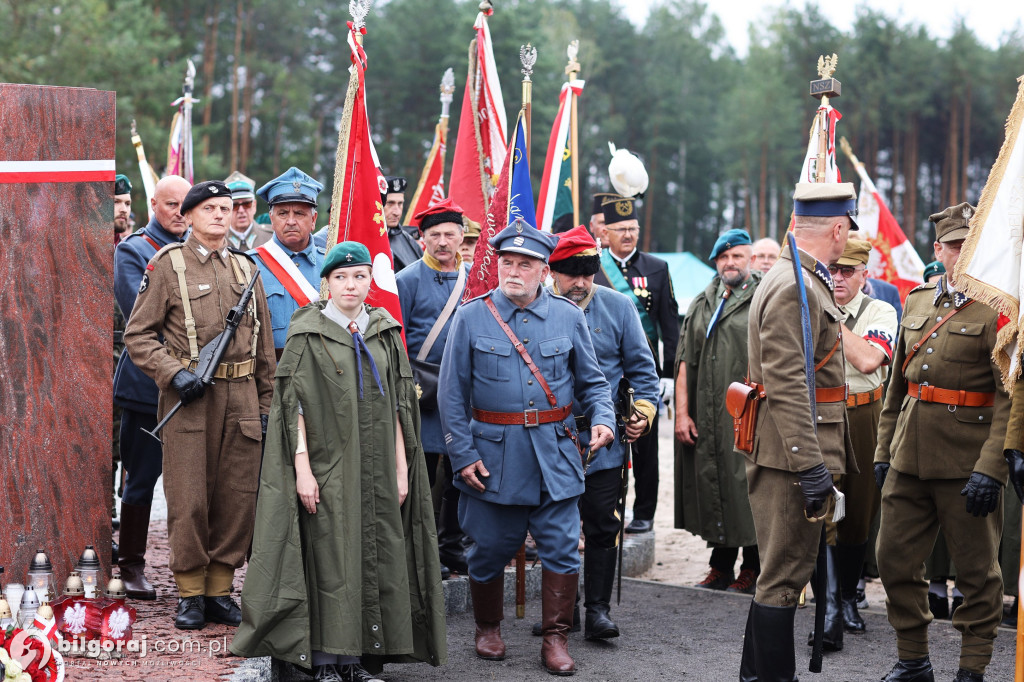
(520, 193)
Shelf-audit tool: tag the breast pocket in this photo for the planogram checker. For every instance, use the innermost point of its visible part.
(911, 327)
(964, 342)
(492, 358)
(280, 306)
(203, 305)
(554, 355)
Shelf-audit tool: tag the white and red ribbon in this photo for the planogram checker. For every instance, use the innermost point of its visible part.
(287, 273)
(84, 170)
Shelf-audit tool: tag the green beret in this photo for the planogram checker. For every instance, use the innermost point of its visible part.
(122, 185)
(345, 255)
(932, 269)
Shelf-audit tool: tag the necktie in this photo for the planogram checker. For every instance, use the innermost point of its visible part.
(718, 312)
(360, 349)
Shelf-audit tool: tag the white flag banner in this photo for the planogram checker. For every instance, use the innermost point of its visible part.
(990, 266)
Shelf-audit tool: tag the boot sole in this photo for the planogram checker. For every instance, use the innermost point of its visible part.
(224, 621)
(559, 673)
(142, 596)
(603, 634)
(490, 658)
(190, 627)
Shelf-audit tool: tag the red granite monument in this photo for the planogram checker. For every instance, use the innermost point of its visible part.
(56, 303)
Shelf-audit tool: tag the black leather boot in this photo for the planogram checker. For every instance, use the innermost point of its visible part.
(833, 640)
(967, 676)
(748, 666)
(132, 559)
(911, 670)
(774, 657)
(449, 533)
(851, 563)
(598, 579)
(191, 613)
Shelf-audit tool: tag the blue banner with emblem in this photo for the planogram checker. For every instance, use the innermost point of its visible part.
(520, 192)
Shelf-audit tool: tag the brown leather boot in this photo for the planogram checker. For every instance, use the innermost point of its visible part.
(559, 597)
(488, 611)
(132, 552)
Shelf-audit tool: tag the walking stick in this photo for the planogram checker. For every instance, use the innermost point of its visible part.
(622, 510)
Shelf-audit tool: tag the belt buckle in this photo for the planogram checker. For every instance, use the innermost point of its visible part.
(920, 391)
(531, 421)
(229, 370)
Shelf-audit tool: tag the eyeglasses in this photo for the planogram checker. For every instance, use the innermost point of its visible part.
(847, 271)
(623, 230)
(242, 204)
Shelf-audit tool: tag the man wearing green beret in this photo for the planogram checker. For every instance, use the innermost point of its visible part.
(939, 463)
(711, 480)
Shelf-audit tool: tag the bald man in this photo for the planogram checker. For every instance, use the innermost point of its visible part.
(764, 254)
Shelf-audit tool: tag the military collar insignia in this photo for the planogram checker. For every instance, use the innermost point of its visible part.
(821, 270)
(942, 287)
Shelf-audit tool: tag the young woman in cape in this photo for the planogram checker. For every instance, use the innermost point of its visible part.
(344, 574)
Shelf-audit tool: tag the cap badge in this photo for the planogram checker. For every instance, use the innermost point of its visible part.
(968, 213)
(296, 185)
(348, 258)
(519, 241)
(623, 208)
(214, 190)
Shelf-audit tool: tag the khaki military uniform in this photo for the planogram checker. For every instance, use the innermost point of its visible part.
(933, 444)
(785, 441)
(212, 447)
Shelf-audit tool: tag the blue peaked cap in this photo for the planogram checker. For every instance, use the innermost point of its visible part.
(522, 237)
(292, 185)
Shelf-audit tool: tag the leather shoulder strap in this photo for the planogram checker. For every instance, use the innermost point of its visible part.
(917, 346)
(442, 319)
(521, 349)
(839, 339)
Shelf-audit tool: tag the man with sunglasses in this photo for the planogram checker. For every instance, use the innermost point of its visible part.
(244, 232)
(939, 463)
(869, 334)
(645, 280)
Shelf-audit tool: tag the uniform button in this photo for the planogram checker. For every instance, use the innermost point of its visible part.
(529, 382)
(935, 335)
(938, 319)
(531, 403)
(981, 418)
(302, 657)
(930, 351)
(556, 349)
(375, 628)
(376, 645)
(492, 347)
(963, 329)
(924, 367)
(819, 417)
(526, 340)
(795, 449)
(945, 305)
(525, 320)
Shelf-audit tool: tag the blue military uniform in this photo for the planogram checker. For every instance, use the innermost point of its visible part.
(292, 186)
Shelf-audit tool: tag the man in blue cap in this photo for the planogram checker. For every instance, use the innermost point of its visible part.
(711, 481)
(290, 261)
(516, 359)
(245, 233)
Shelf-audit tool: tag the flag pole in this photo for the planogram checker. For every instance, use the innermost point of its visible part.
(149, 178)
(188, 171)
(824, 88)
(440, 142)
(572, 70)
(358, 9)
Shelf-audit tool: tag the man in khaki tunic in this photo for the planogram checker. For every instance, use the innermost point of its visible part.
(940, 439)
(212, 445)
(789, 472)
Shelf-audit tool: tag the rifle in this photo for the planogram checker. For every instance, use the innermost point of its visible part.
(210, 355)
(628, 412)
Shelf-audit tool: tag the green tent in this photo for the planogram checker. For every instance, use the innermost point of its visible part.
(690, 276)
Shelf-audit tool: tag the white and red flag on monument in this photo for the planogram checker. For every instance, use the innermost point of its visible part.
(358, 184)
(991, 266)
(480, 146)
(893, 258)
(555, 198)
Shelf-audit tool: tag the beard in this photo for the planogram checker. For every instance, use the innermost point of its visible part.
(576, 294)
(120, 225)
(734, 278)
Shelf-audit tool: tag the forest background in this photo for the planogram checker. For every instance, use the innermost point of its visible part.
(722, 136)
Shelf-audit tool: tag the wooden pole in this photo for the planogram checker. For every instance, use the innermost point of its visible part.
(572, 70)
(1018, 674)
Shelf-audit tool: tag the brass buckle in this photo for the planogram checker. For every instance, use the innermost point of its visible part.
(527, 418)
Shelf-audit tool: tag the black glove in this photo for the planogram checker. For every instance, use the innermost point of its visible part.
(189, 386)
(881, 471)
(816, 485)
(982, 494)
(264, 418)
(1015, 458)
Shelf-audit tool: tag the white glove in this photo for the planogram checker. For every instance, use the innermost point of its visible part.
(668, 389)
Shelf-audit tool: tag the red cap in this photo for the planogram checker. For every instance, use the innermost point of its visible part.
(572, 243)
(444, 206)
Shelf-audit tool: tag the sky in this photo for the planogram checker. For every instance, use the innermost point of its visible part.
(989, 19)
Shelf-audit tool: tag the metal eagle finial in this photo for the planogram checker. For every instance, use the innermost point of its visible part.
(827, 65)
(573, 66)
(359, 9)
(447, 86)
(528, 56)
(190, 74)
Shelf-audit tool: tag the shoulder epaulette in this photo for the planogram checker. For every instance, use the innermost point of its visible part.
(922, 287)
(240, 252)
(480, 297)
(165, 249)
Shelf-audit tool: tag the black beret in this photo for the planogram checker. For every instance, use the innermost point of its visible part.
(211, 189)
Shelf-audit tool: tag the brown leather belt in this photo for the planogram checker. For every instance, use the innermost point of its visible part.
(865, 398)
(227, 370)
(525, 418)
(822, 395)
(948, 396)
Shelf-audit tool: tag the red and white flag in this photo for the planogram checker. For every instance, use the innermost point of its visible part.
(480, 146)
(557, 163)
(358, 208)
(430, 189)
(991, 264)
(810, 168)
(893, 257)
